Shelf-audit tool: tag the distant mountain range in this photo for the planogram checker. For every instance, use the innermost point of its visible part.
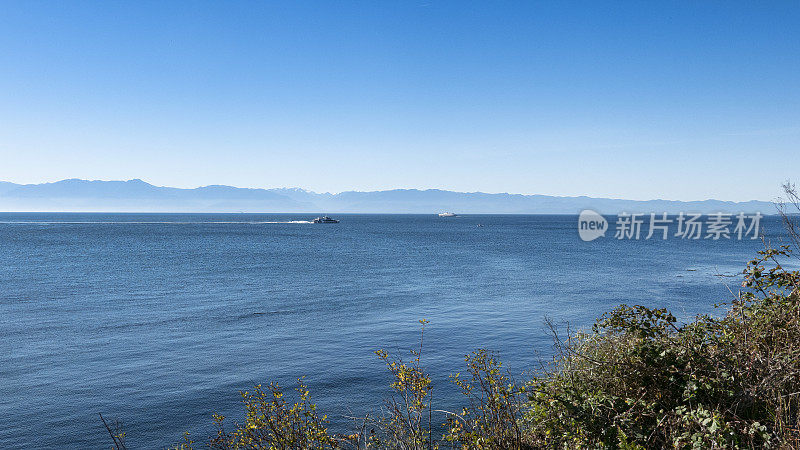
(138, 196)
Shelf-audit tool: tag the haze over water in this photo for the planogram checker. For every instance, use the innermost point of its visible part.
(159, 320)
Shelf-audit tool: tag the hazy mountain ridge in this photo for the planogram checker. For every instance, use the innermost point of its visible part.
(139, 196)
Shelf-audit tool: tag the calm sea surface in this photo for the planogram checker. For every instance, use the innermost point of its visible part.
(159, 320)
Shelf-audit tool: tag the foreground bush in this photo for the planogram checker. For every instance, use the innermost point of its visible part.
(637, 379)
(272, 422)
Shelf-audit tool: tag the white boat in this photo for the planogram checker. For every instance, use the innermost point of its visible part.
(447, 214)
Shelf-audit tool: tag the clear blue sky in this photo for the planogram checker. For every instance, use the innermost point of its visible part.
(678, 100)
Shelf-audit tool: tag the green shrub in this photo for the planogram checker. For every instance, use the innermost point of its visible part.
(491, 419)
(274, 423)
(638, 380)
(408, 422)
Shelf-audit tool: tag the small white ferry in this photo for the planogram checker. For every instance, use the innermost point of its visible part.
(448, 214)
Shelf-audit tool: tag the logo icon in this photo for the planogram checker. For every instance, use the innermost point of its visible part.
(591, 225)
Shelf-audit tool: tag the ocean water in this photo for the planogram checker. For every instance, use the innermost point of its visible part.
(158, 321)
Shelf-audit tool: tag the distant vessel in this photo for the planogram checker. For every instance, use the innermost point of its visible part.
(447, 214)
(325, 219)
